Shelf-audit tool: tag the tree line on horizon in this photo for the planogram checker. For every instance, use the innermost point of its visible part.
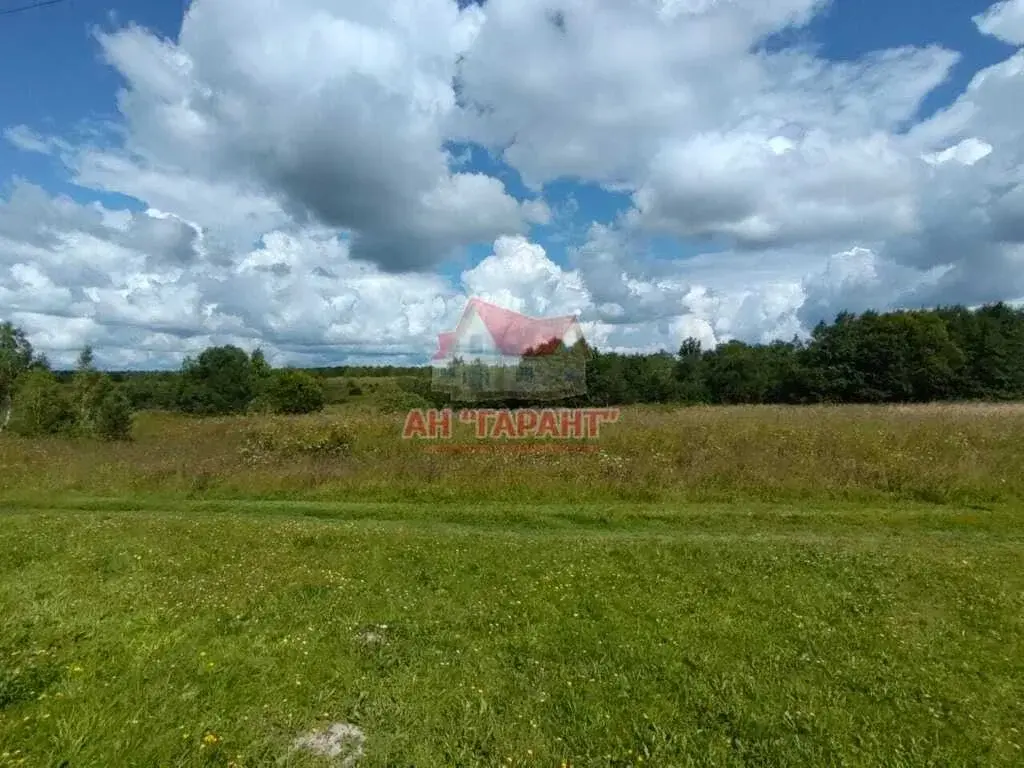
(86, 402)
(911, 356)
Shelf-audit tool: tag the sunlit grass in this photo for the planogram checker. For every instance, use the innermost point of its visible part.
(950, 453)
(710, 586)
(508, 635)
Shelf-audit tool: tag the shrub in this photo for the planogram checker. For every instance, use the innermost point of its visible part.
(424, 387)
(324, 440)
(152, 391)
(400, 401)
(261, 405)
(335, 390)
(40, 405)
(114, 416)
(295, 392)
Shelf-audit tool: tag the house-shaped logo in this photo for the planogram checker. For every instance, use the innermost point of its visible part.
(495, 353)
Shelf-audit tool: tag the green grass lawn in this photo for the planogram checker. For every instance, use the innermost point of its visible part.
(178, 633)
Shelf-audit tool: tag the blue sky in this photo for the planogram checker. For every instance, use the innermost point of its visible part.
(850, 29)
(57, 85)
(55, 77)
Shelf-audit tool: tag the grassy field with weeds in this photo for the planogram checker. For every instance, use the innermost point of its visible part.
(727, 586)
(971, 454)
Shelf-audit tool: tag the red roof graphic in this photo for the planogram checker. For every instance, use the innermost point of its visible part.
(513, 334)
(445, 342)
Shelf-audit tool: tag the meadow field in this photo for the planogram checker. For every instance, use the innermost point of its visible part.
(703, 586)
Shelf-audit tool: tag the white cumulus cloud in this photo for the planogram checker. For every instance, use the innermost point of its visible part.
(309, 172)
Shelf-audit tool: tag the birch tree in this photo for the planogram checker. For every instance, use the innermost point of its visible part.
(15, 358)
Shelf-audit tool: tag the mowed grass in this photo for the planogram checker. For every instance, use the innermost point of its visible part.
(602, 635)
(711, 586)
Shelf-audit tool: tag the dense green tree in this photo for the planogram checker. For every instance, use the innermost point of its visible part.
(260, 367)
(895, 357)
(689, 372)
(219, 381)
(736, 372)
(292, 391)
(606, 380)
(152, 390)
(992, 339)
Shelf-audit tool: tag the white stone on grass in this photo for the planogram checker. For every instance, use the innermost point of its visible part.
(342, 741)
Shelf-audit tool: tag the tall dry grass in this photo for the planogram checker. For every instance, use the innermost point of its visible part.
(941, 453)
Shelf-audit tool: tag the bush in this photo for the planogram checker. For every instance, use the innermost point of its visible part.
(335, 390)
(325, 440)
(400, 401)
(261, 405)
(114, 416)
(295, 392)
(285, 440)
(152, 391)
(423, 386)
(40, 405)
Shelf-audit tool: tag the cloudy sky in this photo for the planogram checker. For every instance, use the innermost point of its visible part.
(333, 179)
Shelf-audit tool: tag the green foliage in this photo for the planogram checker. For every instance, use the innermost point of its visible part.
(992, 340)
(692, 387)
(546, 372)
(335, 390)
(261, 404)
(422, 386)
(40, 405)
(220, 381)
(897, 357)
(89, 387)
(91, 404)
(260, 367)
(293, 392)
(400, 401)
(152, 390)
(366, 371)
(951, 353)
(16, 357)
(745, 374)
(113, 419)
(614, 379)
(15, 354)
